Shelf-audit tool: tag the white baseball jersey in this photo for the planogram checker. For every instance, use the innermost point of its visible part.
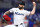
(19, 15)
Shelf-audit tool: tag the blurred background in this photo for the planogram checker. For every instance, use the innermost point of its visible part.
(30, 21)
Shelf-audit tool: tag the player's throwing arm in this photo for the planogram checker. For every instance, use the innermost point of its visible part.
(34, 8)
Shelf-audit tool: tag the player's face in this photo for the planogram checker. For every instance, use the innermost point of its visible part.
(21, 6)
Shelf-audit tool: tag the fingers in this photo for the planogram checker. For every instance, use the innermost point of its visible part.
(34, 4)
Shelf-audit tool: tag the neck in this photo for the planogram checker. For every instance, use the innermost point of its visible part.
(20, 9)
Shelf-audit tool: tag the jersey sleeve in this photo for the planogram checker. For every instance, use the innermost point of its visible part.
(11, 10)
(27, 12)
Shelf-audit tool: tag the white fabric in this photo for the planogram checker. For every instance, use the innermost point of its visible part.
(10, 26)
(15, 26)
(26, 23)
(19, 15)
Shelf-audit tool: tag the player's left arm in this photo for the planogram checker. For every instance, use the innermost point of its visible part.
(34, 8)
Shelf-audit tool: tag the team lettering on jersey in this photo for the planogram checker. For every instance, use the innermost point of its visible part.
(19, 13)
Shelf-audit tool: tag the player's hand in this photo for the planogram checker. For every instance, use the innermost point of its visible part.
(34, 4)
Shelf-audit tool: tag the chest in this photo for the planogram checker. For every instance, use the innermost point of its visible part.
(19, 12)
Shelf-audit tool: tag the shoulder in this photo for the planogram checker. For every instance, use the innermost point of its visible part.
(15, 8)
(25, 10)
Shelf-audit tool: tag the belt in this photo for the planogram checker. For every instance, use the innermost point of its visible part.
(16, 25)
(20, 24)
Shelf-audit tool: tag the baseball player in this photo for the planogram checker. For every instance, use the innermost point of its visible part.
(19, 15)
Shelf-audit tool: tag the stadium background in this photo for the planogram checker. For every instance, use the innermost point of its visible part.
(8, 4)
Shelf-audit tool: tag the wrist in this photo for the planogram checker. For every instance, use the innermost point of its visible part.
(34, 6)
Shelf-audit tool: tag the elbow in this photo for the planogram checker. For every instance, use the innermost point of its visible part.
(4, 13)
(7, 12)
(32, 13)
